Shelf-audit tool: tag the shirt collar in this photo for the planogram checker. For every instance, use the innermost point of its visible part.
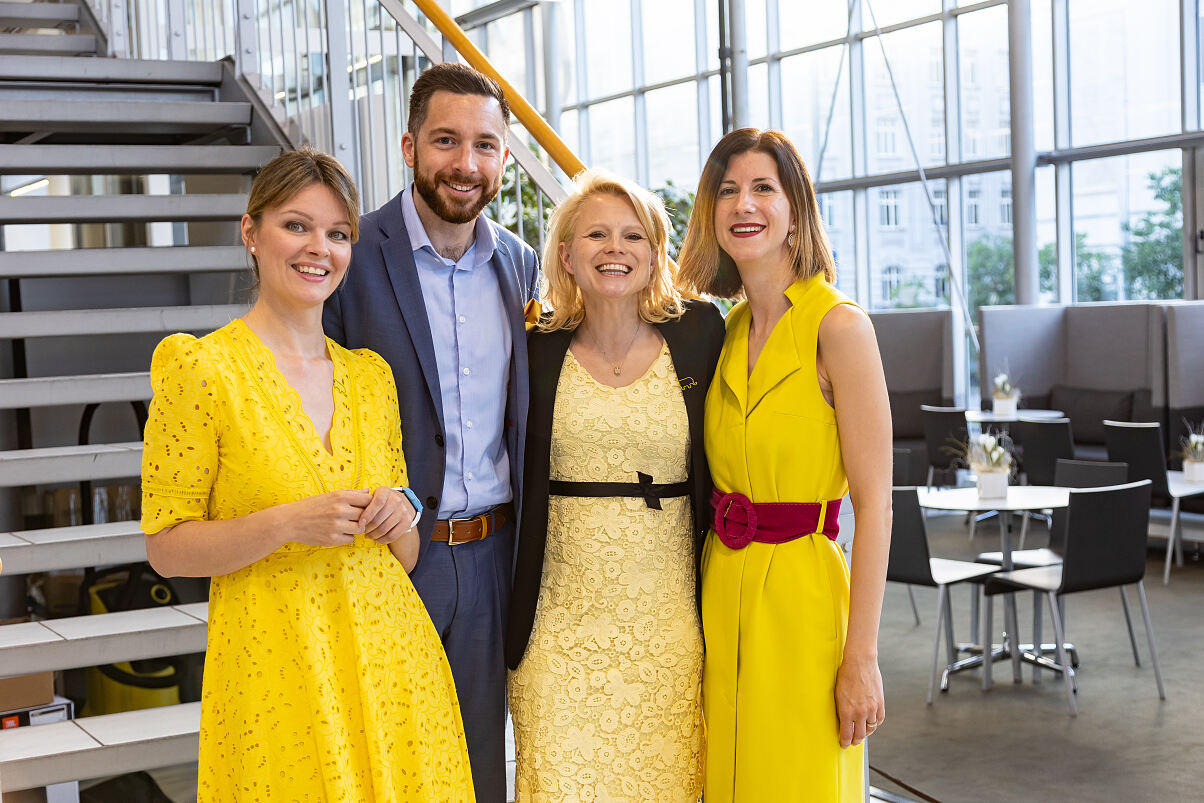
(484, 240)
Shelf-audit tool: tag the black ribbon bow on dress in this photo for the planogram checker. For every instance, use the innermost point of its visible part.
(646, 490)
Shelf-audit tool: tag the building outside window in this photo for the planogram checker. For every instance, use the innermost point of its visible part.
(1005, 205)
(888, 209)
(973, 207)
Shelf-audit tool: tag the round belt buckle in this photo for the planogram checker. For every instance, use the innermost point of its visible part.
(724, 527)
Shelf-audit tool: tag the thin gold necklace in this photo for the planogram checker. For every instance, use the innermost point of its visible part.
(617, 366)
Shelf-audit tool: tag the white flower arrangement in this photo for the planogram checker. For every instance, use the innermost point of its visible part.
(1003, 388)
(990, 452)
(1193, 444)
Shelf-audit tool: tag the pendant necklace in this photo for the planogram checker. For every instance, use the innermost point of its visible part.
(618, 366)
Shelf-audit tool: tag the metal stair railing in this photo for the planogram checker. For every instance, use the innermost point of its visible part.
(336, 75)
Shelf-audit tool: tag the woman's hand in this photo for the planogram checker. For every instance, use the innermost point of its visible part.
(387, 517)
(329, 519)
(860, 702)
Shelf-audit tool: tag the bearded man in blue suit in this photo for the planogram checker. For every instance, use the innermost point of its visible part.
(439, 291)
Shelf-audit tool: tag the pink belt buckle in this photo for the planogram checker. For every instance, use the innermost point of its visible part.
(723, 527)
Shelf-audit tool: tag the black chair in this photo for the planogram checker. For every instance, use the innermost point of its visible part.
(944, 428)
(1042, 442)
(1105, 548)
(1140, 445)
(910, 563)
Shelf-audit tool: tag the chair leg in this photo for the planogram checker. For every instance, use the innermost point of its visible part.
(911, 594)
(1170, 542)
(985, 633)
(950, 642)
(1149, 633)
(1124, 601)
(1013, 636)
(975, 595)
(1037, 623)
(1023, 529)
(1060, 638)
(942, 600)
(973, 522)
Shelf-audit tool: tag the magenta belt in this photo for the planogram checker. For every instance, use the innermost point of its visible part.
(739, 521)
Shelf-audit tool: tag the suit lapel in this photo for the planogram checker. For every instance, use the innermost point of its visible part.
(398, 256)
(690, 372)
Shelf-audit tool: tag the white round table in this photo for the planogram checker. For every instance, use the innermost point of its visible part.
(988, 417)
(1019, 497)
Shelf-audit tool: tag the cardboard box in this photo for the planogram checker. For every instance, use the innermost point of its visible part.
(26, 691)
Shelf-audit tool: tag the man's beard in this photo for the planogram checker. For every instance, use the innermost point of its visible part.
(452, 211)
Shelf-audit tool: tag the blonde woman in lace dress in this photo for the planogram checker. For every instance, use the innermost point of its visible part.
(604, 636)
(273, 463)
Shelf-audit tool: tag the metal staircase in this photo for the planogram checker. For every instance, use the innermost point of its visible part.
(144, 166)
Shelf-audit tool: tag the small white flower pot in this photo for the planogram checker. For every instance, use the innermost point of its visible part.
(1005, 406)
(992, 484)
(1193, 470)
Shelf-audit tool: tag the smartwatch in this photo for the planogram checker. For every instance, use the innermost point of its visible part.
(413, 497)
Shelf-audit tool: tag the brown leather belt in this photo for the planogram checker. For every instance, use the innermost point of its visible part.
(463, 531)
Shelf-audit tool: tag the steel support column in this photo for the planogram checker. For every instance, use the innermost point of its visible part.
(1024, 153)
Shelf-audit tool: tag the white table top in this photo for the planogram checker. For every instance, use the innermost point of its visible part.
(1179, 487)
(1020, 497)
(988, 417)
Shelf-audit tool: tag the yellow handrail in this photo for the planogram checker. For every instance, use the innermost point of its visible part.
(532, 120)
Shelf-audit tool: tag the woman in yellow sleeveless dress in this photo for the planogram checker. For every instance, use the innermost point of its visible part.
(604, 636)
(324, 677)
(791, 685)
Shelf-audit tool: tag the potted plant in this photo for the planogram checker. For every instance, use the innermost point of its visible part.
(989, 456)
(1193, 453)
(1006, 396)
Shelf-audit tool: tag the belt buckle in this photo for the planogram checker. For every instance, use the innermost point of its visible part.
(451, 531)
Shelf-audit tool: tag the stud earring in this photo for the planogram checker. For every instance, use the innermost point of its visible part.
(252, 249)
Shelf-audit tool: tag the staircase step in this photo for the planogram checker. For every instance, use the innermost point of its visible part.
(98, 746)
(53, 323)
(36, 44)
(122, 261)
(120, 208)
(101, 461)
(51, 391)
(131, 117)
(37, 15)
(105, 638)
(102, 71)
(138, 159)
(59, 548)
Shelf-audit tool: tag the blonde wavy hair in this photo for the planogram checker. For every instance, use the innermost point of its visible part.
(660, 301)
(705, 267)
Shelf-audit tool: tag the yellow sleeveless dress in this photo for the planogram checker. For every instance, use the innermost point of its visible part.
(774, 616)
(324, 677)
(607, 700)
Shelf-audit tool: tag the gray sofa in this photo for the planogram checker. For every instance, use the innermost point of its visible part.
(917, 357)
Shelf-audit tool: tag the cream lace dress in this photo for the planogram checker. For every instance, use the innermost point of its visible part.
(607, 701)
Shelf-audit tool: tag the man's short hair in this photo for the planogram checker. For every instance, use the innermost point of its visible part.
(457, 79)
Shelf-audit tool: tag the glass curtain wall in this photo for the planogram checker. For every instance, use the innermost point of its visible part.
(1116, 89)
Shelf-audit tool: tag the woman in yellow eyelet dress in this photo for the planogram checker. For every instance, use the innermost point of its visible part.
(791, 686)
(324, 677)
(604, 636)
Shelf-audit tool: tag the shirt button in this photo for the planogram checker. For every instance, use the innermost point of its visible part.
(468, 424)
(462, 319)
(469, 475)
(431, 503)
(467, 371)
(439, 439)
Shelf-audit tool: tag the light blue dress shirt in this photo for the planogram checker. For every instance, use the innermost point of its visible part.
(472, 350)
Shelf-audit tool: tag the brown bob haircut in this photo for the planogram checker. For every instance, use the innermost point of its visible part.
(457, 79)
(293, 171)
(705, 267)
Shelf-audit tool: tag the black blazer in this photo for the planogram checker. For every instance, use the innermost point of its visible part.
(695, 340)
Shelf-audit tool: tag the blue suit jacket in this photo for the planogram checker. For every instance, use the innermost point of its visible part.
(380, 306)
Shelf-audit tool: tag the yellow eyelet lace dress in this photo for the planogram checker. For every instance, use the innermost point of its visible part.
(324, 677)
(607, 700)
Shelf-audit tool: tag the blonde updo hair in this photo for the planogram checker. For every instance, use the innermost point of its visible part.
(660, 301)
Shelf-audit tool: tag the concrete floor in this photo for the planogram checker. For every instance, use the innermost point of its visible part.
(1018, 742)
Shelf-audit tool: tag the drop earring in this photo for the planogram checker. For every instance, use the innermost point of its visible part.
(789, 238)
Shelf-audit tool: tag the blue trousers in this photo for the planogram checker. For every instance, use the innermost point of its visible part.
(466, 589)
